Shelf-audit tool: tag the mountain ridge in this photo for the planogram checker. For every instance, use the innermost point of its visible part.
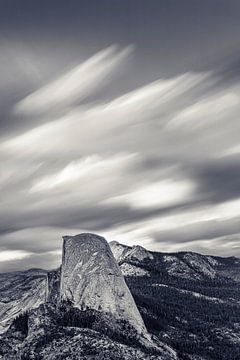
(190, 303)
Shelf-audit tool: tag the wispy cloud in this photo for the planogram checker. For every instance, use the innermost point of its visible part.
(8, 255)
(75, 85)
(157, 195)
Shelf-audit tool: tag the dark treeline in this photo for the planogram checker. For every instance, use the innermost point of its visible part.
(181, 316)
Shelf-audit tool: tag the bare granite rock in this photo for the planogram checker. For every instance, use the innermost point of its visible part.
(91, 278)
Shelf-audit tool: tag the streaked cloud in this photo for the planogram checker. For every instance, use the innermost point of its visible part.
(8, 255)
(76, 84)
(157, 195)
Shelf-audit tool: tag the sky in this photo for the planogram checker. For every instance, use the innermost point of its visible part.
(119, 118)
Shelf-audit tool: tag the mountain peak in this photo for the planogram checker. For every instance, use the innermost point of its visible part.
(91, 278)
(84, 237)
(123, 252)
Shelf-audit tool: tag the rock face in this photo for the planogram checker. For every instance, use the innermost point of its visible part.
(20, 291)
(53, 286)
(129, 258)
(91, 278)
(123, 252)
(119, 251)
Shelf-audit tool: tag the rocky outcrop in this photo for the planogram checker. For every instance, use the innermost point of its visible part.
(53, 286)
(123, 252)
(119, 251)
(91, 278)
(20, 291)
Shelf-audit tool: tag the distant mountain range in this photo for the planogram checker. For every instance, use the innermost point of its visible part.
(181, 305)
